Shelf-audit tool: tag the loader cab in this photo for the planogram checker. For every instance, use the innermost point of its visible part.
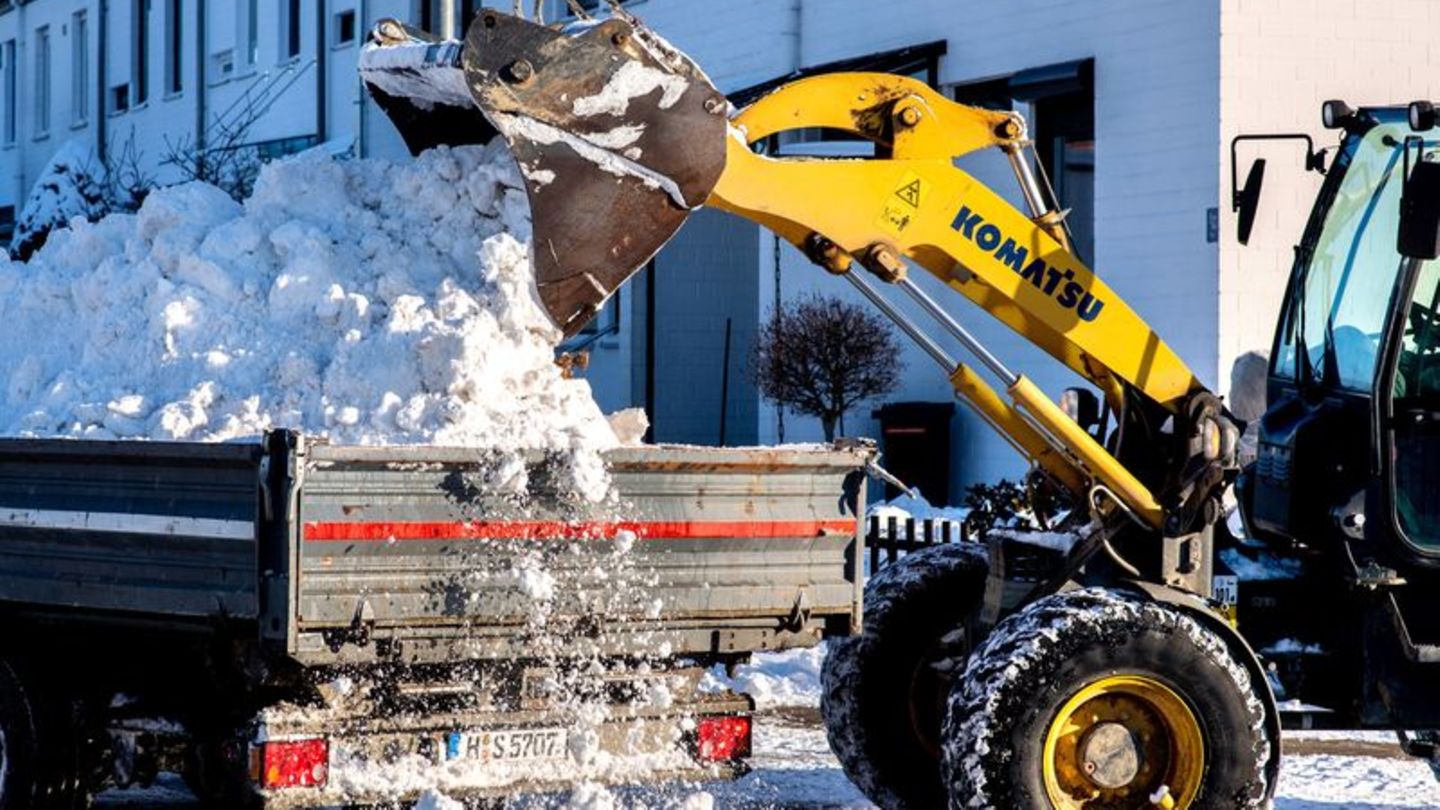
(1347, 473)
(1355, 362)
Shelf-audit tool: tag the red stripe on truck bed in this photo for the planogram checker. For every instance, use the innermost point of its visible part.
(324, 531)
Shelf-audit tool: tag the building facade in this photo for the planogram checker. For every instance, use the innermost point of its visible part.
(1132, 103)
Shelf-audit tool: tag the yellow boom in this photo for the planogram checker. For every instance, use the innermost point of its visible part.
(916, 203)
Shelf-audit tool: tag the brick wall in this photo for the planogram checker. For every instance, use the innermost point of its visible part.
(1279, 60)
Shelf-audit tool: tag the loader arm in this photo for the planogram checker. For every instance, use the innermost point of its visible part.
(606, 117)
(913, 201)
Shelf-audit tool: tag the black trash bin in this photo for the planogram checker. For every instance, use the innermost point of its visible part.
(915, 438)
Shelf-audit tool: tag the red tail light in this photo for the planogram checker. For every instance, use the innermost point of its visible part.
(294, 763)
(722, 739)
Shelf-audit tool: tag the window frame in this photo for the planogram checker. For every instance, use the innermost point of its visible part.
(79, 68)
(174, 48)
(337, 27)
(42, 83)
(139, 54)
(292, 40)
(251, 14)
(10, 129)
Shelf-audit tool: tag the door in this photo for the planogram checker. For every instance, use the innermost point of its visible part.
(1414, 423)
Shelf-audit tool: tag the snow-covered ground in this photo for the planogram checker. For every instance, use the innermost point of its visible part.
(794, 769)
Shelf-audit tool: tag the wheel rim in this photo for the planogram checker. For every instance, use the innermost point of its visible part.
(1124, 741)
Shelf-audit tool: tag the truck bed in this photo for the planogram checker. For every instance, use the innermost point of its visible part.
(351, 555)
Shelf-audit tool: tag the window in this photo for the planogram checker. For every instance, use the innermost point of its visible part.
(7, 220)
(468, 10)
(272, 150)
(42, 81)
(1337, 317)
(1058, 102)
(290, 28)
(174, 30)
(140, 65)
(11, 70)
(79, 68)
(120, 98)
(252, 32)
(344, 27)
(222, 64)
(427, 15)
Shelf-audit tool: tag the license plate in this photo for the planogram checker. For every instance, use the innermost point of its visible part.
(510, 745)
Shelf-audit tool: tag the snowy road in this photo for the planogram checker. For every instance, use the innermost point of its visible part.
(794, 770)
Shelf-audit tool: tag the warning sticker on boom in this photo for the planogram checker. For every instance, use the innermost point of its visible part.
(910, 193)
(902, 207)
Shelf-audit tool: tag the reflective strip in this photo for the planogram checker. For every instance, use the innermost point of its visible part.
(127, 523)
(558, 530)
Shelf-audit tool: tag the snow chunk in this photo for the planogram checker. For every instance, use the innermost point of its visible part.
(788, 678)
(633, 80)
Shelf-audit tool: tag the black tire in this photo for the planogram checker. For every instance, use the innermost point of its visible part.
(882, 695)
(1034, 662)
(17, 743)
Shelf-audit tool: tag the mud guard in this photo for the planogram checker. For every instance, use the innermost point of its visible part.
(1197, 608)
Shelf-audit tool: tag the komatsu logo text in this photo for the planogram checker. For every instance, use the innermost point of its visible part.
(1057, 282)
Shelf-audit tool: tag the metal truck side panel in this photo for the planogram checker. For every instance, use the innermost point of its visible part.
(734, 549)
(149, 528)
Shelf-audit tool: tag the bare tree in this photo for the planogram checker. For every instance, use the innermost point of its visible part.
(227, 160)
(822, 356)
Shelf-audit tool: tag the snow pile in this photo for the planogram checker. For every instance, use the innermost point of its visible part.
(915, 506)
(788, 678)
(369, 302)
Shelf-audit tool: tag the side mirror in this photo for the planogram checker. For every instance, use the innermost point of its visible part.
(1420, 213)
(1247, 200)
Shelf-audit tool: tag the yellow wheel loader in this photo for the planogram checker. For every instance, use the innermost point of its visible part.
(1099, 673)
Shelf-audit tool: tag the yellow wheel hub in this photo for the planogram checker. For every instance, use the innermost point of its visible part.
(1125, 741)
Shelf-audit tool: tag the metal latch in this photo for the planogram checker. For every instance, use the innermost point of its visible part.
(267, 501)
(799, 612)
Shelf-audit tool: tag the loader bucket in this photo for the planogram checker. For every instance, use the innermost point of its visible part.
(619, 136)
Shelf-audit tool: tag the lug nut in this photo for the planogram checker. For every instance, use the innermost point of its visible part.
(909, 116)
(620, 38)
(715, 105)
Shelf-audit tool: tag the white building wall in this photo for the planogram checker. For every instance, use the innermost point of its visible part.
(1157, 67)
(23, 160)
(1280, 59)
